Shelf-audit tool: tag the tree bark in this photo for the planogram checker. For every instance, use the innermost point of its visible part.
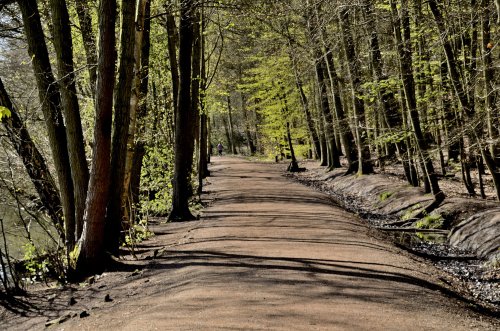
(365, 165)
(63, 45)
(332, 157)
(391, 114)
(142, 108)
(114, 212)
(230, 124)
(405, 53)
(173, 41)
(462, 96)
(184, 139)
(91, 257)
(85, 19)
(51, 106)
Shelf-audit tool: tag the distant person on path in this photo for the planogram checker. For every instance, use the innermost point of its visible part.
(219, 148)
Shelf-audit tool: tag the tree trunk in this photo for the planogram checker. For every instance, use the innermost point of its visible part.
(489, 81)
(137, 98)
(114, 212)
(365, 165)
(304, 102)
(63, 45)
(391, 114)
(404, 50)
(85, 19)
(142, 108)
(230, 124)
(91, 257)
(344, 130)
(184, 140)
(173, 41)
(51, 107)
(463, 98)
(33, 161)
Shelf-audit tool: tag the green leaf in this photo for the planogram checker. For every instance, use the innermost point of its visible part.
(4, 112)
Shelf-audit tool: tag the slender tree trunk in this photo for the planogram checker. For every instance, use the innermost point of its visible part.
(114, 212)
(33, 161)
(85, 19)
(391, 114)
(365, 165)
(173, 41)
(142, 108)
(195, 82)
(51, 107)
(138, 98)
(184, 140)
(91, 257)
(344, 130)
(63, 45)
(230, 124)
(462, 96)
(404, 49)
(489, 80)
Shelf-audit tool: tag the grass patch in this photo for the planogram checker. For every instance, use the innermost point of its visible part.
(385, 195)
(432, 221)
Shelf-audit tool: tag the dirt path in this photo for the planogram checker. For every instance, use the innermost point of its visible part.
(271, 254)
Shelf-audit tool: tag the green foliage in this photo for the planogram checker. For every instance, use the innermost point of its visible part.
(385, 195)
(36, 267)
(4, 112)
(432, 221)
(156, 180)
(408, 214)
(138, 233)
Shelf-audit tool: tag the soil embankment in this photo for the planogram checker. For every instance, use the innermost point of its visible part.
(461, 236)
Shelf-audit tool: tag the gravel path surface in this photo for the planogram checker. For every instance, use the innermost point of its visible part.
(271, 254)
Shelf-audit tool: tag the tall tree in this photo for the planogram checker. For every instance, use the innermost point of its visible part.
(461, 93)
(406, 67)
(51, 106)
(91, 255)
(63, 45)
(365, 165)
(85, 19)
(114, 212)
(184, 139)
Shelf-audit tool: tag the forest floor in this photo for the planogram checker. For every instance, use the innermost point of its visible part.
(267, 253)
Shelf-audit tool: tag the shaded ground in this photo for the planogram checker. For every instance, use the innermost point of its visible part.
(267, 253)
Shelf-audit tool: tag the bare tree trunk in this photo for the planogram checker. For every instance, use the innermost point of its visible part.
(63, 45)
(91, 257)
(230, 125)
(173, 41)
(332, 157)
(184, 140)
(51, 107)
(33, 161)
(142, 108)
(137, 98)
(85, 19)
(114, 212)
(489, 80)
(463, 98)
(365, 165)
(303, 100)
(391, 114)
(404, 49)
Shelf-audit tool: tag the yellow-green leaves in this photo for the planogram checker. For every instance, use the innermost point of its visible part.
(4, 112)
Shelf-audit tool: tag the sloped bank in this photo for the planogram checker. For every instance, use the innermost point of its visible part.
(471, 227)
